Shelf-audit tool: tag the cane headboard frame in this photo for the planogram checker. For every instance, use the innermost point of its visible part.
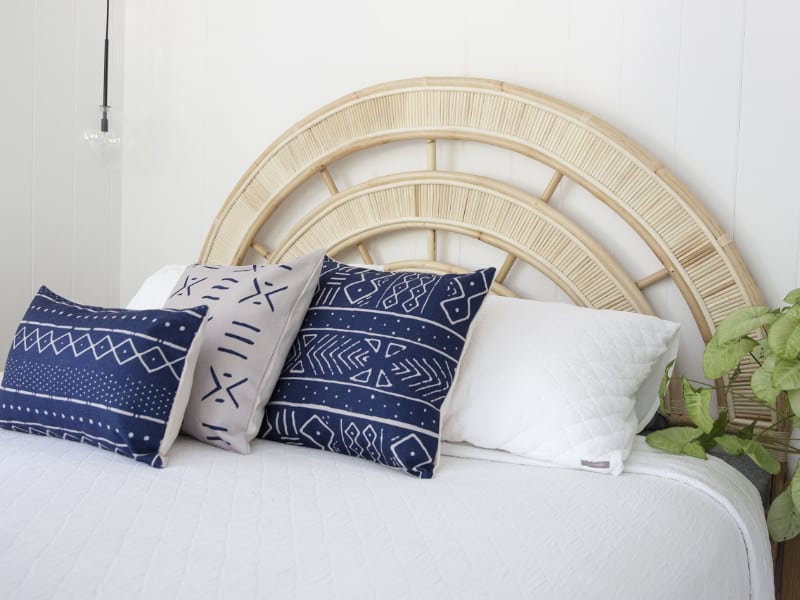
(688, 242)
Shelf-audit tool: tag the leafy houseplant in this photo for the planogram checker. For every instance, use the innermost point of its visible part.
(777, 356)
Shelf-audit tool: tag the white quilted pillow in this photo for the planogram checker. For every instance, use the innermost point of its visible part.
(555, 382)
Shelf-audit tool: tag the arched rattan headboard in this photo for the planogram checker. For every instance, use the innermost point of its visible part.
(691, 246)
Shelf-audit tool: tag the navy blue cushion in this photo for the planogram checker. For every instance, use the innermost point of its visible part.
(373, 362)
(113, 378)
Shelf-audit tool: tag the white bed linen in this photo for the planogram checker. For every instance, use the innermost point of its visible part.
(287, 522)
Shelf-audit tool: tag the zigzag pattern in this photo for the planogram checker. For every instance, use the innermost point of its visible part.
(372, 364)
(429, 378)
(325, 353)
(42, 340)
(409, 294)
(366, 449)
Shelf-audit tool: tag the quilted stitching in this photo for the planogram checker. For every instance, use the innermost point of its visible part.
(283, 522)
(563, 390)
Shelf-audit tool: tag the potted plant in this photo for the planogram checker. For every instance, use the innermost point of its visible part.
(738, 339)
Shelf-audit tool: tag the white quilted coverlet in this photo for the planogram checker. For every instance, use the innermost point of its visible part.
(286, 522)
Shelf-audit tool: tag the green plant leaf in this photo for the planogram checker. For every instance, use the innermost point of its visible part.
(759, 455)
(792, 297)
(720, 423)
(677, 440)
(706, 442)
(784, 336)
(762, 350)
(794, 404)
(731, 444)
(787, 374)
(743, 443)
(762, 381)
(783, 518)
(747, 433)
(742, 321)
(695, 449)
(698, 403)
(662, 388)
(719, 359)
(794, 486)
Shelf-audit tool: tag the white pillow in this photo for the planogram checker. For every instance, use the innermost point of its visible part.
(155, 290)
(556, 382)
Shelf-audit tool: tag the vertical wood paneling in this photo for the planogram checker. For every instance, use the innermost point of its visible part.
(709, 102)
(703, 153)
(164, 149)
(59, 223)
(594, 83)
(650, 66)
(767, 212)
(92, 204)
(674, 75)
(594, 57)
(112, 167)
(54, 143)
(17, 30)
(541, 47)
(491, 38)
(711, 88)
(619, 59)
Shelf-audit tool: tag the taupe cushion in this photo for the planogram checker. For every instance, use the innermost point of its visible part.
(254, 314)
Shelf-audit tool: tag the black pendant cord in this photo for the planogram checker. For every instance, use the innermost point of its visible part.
(104, 118)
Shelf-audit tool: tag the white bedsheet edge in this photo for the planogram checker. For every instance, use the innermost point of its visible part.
(713, 477)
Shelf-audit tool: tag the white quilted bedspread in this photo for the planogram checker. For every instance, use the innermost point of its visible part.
(288, 522)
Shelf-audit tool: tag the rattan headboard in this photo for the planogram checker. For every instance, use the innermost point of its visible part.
(688, 242)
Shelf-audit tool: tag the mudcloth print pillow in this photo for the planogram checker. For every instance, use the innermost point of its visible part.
(113, 378)
(254, 314)
(373, 363)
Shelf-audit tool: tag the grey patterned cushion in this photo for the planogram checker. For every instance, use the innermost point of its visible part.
(254, 314)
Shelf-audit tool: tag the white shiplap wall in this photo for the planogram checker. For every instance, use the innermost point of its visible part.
(60, 197)
(708, 86)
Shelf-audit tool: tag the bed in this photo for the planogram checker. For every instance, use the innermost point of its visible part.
(517, 472)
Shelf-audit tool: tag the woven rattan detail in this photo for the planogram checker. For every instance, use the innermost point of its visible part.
(508, 219)
(692, 247)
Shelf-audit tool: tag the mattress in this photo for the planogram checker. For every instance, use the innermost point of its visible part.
(289, 522)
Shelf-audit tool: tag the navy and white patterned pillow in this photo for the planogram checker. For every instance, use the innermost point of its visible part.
(373, 362)
(254, 312)
(113, 378)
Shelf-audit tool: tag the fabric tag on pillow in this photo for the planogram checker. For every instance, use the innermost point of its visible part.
(254, 314)
(373, 363)
(113, 378)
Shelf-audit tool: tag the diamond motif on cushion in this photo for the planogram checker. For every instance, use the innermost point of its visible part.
(374, 364)
(124, 391)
